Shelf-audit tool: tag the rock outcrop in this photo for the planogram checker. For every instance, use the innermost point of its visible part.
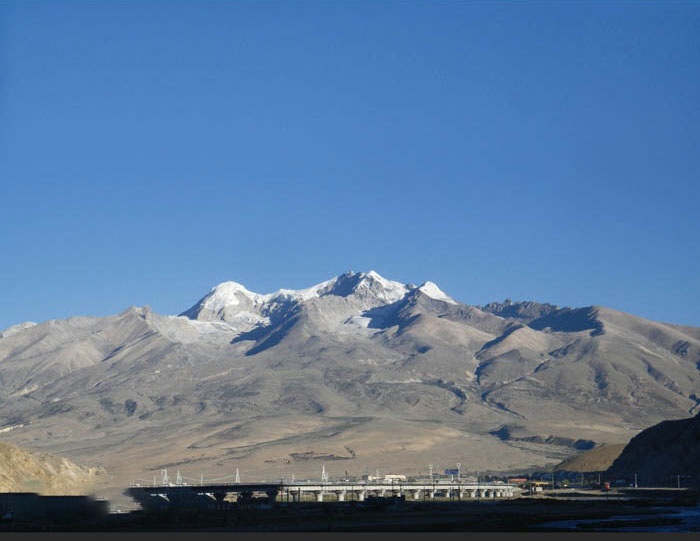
(26, 471)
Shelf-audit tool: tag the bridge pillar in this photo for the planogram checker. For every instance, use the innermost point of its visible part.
(340, 495)
(361, 495)
(416, 494)
(432, 494)
(244, 498)
(271, 495)
(482, 493)
(319, 495)
(220, 496)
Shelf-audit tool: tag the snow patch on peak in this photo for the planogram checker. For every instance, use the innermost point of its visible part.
(388, 291)
(228, 298)
(227, 294)
(230, 287)
(303, 294)
(434, 292)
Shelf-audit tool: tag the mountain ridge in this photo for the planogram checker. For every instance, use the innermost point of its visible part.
(398, 373)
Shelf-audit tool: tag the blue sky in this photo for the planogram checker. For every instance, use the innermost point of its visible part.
(545, 151)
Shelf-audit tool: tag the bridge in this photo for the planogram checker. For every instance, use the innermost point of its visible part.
(217, 496)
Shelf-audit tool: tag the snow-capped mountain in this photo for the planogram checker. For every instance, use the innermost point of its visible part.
(232, 297)
(244, 310)
(359, 369)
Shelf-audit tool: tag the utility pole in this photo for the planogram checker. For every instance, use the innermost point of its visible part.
(678, 478)
(430, 467)
(459, 471)
(238, 477)
(201, 479)
(635, 480)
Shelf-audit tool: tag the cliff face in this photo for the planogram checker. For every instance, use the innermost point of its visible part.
(25, 471)
(663, 451)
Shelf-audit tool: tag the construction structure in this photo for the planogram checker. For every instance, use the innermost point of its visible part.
(221, 496)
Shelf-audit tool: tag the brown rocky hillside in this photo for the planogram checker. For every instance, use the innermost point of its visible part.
(26, 471)
(597, 459)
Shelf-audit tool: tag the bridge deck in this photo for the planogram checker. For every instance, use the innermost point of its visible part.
(330, 486)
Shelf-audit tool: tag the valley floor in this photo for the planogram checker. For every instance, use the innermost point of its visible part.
(524, 514)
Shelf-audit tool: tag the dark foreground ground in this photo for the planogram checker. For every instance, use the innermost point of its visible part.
(652, 513)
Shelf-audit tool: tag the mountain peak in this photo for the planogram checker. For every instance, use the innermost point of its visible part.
(14, 329)
(231, 300)
(519, 309)
(434, 292)
(385, 290)
(227, 294)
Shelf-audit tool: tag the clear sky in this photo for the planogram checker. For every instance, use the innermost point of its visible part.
(545, 151)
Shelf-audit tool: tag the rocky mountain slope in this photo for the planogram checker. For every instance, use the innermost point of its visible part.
(660, 453)
(357, 372)
(25, 471)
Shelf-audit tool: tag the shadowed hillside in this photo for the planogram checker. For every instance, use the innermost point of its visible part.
(660, 453)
